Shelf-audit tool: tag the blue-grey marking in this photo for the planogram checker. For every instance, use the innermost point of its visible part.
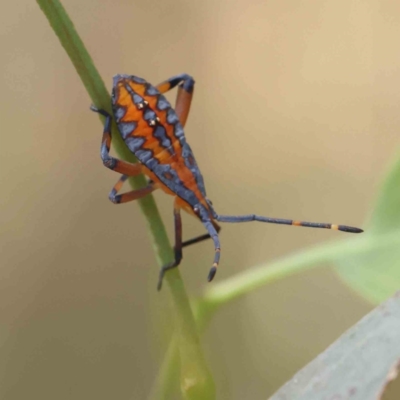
(179, 133)
(126, 128)
(149, 114)
(134, 143)
(152, 163)
(118, 78)
(135, 97)
(137, 79)
(144, 156)
(169, 177)
(174, 183)
(162, 103)
(190, 163)
(119, 113)
(151, 90)
(172, 118)
(160, 133)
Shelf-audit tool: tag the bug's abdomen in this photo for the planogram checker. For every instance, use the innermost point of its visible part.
(152, 131)
(147, 122)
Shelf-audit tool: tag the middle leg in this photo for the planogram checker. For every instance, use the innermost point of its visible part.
(131, 195)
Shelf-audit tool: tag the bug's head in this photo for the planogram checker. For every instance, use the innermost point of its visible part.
(119, 81)
(115, 90)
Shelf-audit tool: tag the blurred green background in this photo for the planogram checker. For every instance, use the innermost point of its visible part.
(295, 114)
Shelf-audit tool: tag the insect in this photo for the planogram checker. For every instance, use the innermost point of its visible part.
(153, 131)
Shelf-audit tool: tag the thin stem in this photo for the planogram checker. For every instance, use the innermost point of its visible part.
(196, 380)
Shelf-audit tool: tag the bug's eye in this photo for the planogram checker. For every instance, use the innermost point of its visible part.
(209, 202)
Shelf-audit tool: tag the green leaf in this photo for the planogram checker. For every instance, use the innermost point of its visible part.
(375, 272)
(359, 365)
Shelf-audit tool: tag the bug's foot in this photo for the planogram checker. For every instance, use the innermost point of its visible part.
(166, 268)
(99, 110)
(212, 273)
(160, 278)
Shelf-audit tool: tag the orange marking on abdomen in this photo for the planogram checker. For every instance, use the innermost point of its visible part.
(139, 88)
(296, 223)
(186, 176)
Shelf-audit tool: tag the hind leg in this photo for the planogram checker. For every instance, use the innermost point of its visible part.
(177, 247)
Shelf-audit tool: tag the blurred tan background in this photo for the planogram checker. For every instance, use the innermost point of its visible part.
(295, 114)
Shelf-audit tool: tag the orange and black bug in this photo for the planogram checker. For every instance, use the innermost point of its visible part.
(153, 131)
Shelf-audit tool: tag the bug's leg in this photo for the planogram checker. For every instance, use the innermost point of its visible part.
(131, 195)
(184, 96)
(213, 234)
(112, 163)
(177, 247)
(200, 238)
(253, 217)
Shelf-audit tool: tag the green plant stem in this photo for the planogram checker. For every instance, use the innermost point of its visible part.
(196, 380)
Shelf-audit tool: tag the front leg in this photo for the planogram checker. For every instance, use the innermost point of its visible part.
(110, 162)
(184, 96)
